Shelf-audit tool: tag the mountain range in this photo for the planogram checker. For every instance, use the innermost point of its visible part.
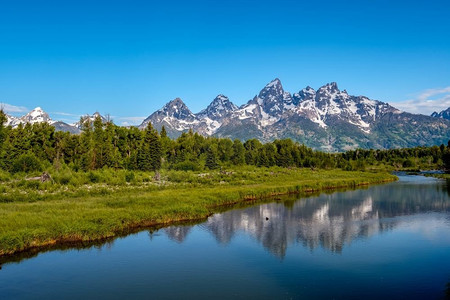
(326, 119)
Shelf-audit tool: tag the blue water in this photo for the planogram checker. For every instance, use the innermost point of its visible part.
(387, 241)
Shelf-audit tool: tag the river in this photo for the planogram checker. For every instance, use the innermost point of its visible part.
(386, 241)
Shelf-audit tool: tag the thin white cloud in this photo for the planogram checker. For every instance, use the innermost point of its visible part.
(58, 113)
(8, 108)
(427, 102)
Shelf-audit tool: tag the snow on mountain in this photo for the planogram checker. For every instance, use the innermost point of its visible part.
(210, 119)
(326, 118)
(328, 103)
(219, 108)
(11, 121)
(91, 119)
(445, 114)
(175, 116)
(37, 115)
(324, 107)
(268, 107)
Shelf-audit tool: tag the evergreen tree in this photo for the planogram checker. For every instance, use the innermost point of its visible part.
(3, 120)
(446, 158)
(166, 143)
(163, 132)
(225, 149)
(155, 150)
(238, 157)
(211, 159)
(87, 156)
(150, 154)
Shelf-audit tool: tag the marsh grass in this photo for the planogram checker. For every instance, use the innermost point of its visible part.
(106, 203)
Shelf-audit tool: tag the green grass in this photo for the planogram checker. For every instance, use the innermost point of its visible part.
(74, 209)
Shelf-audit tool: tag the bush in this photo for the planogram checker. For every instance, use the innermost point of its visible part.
(26, 163)
(4, 176)
(129, 176)
(33, 184)
(93, 177)
(175, 176)
(409, 163)
(63, 178)
(187, 166)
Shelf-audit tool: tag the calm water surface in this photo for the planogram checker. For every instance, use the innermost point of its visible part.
(389, 241)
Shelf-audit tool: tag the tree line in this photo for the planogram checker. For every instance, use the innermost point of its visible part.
(106, 145)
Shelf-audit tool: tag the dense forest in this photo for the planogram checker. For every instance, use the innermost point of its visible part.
(33, 147)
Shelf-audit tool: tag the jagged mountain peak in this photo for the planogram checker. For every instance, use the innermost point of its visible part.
(275, 82)
(273, 88)
(90, 118)
(330, 88)
(11, 120)
(175, 104)
(218, 108)
(220, 100)
(445, 114)
(221, 97)
(175, 101)
(176, 108)
(37, 115)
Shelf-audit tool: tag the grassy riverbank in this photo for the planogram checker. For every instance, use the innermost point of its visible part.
(74, 209)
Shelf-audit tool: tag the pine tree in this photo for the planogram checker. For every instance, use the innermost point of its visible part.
(155, 150)
(87, 157)
(163, 132)
(149, 158)
(446, 158)
(238, 157)
(211, 158)
(165, 143)
(3, 120)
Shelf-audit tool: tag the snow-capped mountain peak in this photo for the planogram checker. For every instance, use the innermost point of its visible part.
(90, 118)
(330, 87)
(445, 114)
(11, 120)
(272, 92)
(175, 116)
(177, 109)
(220, 107)
(37, 115)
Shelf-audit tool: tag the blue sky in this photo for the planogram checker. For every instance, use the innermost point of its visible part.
(128, 58)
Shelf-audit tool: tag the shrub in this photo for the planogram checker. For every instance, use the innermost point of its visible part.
(93, 177)
(187, 166)
(26, 163)
(129, 176)
(33, 184)
(63, 177)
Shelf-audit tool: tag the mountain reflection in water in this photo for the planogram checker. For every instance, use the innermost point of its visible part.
(328, 221)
